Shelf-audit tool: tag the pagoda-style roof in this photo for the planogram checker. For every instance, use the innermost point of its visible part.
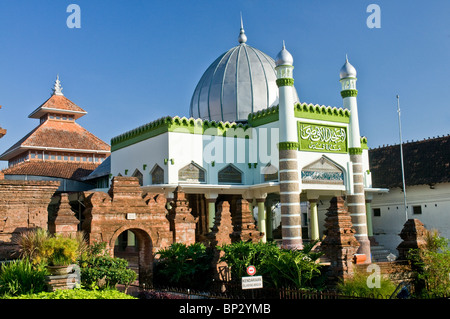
(58, 104)
(75, 171)
(57, 135)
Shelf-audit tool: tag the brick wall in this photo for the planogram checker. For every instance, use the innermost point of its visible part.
(23, 205)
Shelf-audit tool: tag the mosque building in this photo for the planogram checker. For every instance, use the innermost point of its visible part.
(58, 148)
(249, 136)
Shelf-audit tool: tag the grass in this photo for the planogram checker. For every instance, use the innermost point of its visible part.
(76, 293)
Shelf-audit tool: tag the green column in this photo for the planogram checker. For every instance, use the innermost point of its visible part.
(211, 212)
(369, 217)
(262, 218)
(314, 219)
(269, 224)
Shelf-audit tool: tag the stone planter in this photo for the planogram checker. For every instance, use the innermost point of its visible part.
(59, 270)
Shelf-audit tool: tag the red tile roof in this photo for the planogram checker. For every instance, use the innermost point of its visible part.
(53, 169)
(59, 135)
(57, 102)
(425, 162)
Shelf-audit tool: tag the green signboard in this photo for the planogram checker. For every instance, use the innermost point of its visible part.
(322, 138)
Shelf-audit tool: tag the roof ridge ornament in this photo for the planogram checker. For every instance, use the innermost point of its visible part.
(57, 89)
(242, 37)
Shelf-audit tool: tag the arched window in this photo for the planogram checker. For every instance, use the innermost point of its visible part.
(230, 175)
(137, 173)
(323, 171)
(157, 175)
(192, 173)
(270, 173)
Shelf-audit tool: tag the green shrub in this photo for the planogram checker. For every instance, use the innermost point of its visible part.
(60, 250)
(432, 265)
(30, 244)
(77, 294)
(358, 287)
(98, 267)
(184, 266)
(279, 267)
(39, 246)
(22, 277)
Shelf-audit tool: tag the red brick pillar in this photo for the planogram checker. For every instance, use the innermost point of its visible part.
(244, 224)
(414, 236)
(220, 235)
(65, 221)
(182, 222)
(340, 243)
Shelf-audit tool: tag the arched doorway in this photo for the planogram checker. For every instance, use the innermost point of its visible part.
(135, 245)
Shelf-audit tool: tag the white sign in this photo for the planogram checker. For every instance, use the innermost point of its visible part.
(253, 282)
(131, 216)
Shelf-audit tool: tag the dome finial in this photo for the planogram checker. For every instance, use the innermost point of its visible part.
(347, 69)
(242, 37)
(57, 89)
(284, 57)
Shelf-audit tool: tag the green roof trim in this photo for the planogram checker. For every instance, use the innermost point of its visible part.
(181, 125)
(364, 143)
(304, 111)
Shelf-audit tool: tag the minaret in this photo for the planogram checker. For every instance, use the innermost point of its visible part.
(356, 198)
(291, 226)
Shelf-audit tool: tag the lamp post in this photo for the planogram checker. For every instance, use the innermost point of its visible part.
(401, 156)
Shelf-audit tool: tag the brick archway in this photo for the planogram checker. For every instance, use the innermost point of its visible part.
(145, 250)
(125, 207)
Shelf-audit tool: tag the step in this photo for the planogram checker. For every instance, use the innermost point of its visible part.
(379, 253)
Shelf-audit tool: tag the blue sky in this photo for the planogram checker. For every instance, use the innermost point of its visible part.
(134, 61)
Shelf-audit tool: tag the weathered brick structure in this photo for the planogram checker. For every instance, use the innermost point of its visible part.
(244, 223)
(220, 235)
(23, 205)
(182, 222)
(414, 236)
(64, 222)
(340, 243)
(126, 208)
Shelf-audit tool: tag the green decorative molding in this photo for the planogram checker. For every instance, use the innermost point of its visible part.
(288, 146)
(263, 116)
(364, 143)
(355, 150)
(322, 112)
(347, 93)
(285, 82)
(302, 111)
(322, 138)
(205, 127)
(181, 125)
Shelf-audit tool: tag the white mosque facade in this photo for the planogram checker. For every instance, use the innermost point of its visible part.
(250, 136)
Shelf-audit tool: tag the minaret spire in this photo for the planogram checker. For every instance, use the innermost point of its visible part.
(291, 225)
(356, 198)
(242, 37)
(57, 89)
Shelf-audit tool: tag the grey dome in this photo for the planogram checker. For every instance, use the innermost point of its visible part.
(284, 57)
(239, 82)
(347, 70)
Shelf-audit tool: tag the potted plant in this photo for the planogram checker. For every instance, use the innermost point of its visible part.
(60, 252)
